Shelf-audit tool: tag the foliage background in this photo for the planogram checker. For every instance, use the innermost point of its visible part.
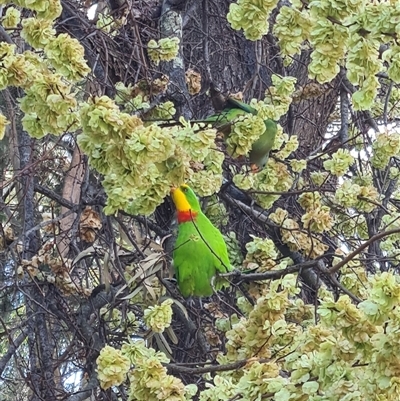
(87, 227)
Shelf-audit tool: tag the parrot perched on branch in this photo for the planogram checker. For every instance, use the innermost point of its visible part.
(200, 250)
(223, 121)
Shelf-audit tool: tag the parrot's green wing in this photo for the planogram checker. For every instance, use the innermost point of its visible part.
(260, 150)
(200, 252)
(223, 121)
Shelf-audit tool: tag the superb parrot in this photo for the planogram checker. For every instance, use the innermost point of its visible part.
(223, 121)
(200, 250)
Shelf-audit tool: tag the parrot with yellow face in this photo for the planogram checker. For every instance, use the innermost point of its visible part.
(200, 251)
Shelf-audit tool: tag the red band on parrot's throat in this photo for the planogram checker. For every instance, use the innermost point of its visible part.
(186, 215)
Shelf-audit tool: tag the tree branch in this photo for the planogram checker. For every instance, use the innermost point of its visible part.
(14, 345)
(350, 256)
(181, 368)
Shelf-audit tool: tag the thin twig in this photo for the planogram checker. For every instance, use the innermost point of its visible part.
(270, 275)
(350, 256)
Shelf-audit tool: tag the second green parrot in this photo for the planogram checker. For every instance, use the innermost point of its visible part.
(200, 251)
(223, 121)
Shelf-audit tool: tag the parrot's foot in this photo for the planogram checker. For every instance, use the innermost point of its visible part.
(191, 302)
(194, 303)
(254, 168)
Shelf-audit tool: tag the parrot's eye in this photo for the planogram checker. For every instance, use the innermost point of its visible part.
(184, 189)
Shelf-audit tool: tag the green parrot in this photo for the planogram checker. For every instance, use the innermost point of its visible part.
(200, 250)
(223, 120)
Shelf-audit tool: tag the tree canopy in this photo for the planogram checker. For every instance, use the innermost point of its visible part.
(102, 111)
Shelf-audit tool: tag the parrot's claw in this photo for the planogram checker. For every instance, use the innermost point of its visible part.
(190, 302)
(194, 303)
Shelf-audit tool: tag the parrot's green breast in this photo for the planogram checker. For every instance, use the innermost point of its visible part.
(260, 150)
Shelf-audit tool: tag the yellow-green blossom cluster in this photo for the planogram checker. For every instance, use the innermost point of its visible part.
(363, 63)
(38, 32)
(278, 98)
(392, 57)
(385, 146)
(233, 246)
(298, 239)
(12, 18)
(49, 106)
(51, 11)
(292, 28)
(244, 132)
(163, 111)
(350, 350)
(342, 31)
(309, 200)
(46, 9)
(364, 198)
(251, 16)
(318, 217)
(141, 162)
(319, 177)
(329, 41)
(300, 312)
(129, 100)
(290, 145)
(261, 252)
(257, 333)
(149, 380)
(220, 388)
(382, 298)
(298, 166)
(353, 275)
(112, 367)
(347, 194)
(275, 177)
(261, 378)
(327, 351)
(159, 317)
(209, 180)
(339, 163)
(165, 49)
(364, 60)
(108, 23)
(390, 243)
(336, 9)
(66, 55)
(16, 69)
(113, 316)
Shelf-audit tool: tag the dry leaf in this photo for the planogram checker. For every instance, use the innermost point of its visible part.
(193, 81)
(89, 222)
